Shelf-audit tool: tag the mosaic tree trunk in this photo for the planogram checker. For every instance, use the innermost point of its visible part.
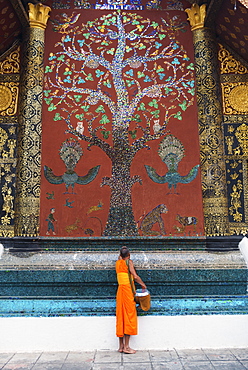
(135, 77)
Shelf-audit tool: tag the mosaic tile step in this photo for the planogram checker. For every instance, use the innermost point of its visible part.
(80, 306)
(144, 260)
(92, 274)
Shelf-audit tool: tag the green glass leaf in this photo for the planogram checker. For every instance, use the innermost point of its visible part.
(140, 74)
(183, 105)
(155, 113)
(133, 133)
(178, 115)
(89, 77)
(111, 51)
(61, 57)
(85, 107)
(167, 90)
(105, 134)
(191, 66)
(48, 69)
(142, 106)
(153, 103)
(154, 24)
(79, 116)
(104, 119)
(77, 98)
(136, 118)
(130, 83)
(48, 100)
(100, 109)
(161, 36)
(67, 73)
(51, 108)
(57, 117)
(47, 92)
(86, 35)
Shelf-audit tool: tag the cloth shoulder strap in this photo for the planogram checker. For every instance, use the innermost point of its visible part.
(129, 275)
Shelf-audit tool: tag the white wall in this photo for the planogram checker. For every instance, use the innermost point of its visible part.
(30, 334)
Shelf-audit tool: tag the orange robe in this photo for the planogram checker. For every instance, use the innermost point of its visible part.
(126, 314)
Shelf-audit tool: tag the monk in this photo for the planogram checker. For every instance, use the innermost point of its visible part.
(126, 314)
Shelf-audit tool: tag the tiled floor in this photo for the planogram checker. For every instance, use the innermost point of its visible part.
(197, 359)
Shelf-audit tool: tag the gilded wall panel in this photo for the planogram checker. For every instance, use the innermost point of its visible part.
(9, 91)
(235, 122)
(235, 98)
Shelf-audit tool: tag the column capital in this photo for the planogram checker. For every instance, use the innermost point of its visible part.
(38, 15)
(196, 16)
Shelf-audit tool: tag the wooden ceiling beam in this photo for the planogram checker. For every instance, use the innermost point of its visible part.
(20, 12)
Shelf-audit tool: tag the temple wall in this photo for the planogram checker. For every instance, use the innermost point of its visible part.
(128, 131)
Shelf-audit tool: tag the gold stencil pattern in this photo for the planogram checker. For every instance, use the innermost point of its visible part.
(235, 98)
(9, 90)
(27, 203)
(11, 64)
(215, 203)
(8, 98)
(228, 64)
(7, 178)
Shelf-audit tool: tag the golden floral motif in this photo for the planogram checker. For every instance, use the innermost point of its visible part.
(228, 64)
(235, 98)
(229, 143)
(242, 136)
(235, 201)
(5, 97)
(8, 98)
(11, 64)
(238, 98)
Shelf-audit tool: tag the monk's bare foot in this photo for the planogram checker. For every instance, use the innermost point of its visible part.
(120, 350)
(129, 350)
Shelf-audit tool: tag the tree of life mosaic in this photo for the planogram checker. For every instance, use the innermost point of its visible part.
(119, 82)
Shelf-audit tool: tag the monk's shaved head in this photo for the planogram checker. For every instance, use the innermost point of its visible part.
(124, 252)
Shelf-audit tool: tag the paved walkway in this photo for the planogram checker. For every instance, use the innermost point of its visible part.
(199, 359)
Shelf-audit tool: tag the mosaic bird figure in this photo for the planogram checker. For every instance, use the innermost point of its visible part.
(65, 22)
(68, 203)
(70, 152)
(50, 195)
(171, 151)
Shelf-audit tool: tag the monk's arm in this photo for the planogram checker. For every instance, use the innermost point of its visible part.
(135, 276)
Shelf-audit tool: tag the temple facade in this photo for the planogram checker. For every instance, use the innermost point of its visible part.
(123, 123)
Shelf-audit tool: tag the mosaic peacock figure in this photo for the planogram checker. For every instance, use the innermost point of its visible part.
(70, 153)
(171, 151)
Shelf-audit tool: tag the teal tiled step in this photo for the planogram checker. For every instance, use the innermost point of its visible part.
(95, 283)
(89, 306)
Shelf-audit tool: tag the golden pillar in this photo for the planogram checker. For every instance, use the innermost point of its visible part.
(27, 203)
(210, 124)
